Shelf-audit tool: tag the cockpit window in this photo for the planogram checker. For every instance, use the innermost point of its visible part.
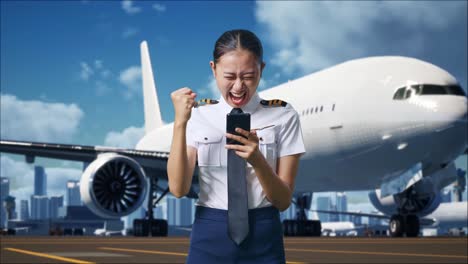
(427, 89)
(433, 89)
(400, 94)
(455, 90)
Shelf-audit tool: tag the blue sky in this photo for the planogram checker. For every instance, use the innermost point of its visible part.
(70, 69)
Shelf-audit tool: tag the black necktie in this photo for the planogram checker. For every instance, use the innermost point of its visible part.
(238, 215)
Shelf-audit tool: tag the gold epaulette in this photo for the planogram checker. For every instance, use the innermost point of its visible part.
(205, 101)
(273, 103)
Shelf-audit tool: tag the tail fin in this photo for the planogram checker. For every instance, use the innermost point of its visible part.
(153, 118)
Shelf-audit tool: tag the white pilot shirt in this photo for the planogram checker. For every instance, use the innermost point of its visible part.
(206, 131)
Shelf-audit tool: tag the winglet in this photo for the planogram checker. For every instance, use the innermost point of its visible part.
(153, 118)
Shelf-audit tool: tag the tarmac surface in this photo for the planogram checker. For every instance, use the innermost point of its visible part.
(20, 249)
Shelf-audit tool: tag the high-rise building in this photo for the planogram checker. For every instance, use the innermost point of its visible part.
(24, 210)
(171, 210)
(39, 207)
(186, 208)
(324, 203)
(4, 187)
(342, 205)
(55, 202)
(356, 219)
(159, 212)
(40, 181)
(73, 193)
(4, 192)
(10, 206)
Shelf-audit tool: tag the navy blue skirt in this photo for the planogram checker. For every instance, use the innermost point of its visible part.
(210, 241)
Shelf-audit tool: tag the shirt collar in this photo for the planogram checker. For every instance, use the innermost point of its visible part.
(250, 107)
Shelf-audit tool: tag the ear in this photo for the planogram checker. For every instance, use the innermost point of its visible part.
(213, 68)
(261, 68)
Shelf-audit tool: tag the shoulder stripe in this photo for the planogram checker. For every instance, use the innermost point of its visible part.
(273, 103)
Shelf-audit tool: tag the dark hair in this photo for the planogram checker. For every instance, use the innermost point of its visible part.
(237, 39)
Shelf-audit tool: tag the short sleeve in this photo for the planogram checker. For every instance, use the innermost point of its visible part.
(190, 132)
(290, 139)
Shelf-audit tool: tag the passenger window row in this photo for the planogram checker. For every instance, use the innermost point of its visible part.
(315, 109)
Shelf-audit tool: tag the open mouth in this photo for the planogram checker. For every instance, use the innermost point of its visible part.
(238, 98)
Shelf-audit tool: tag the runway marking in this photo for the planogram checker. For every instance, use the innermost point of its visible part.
(37, 254)
(97, 242)
(145, 251)
(87, 254)
(375, 242)
(164, 253)
(376, 253)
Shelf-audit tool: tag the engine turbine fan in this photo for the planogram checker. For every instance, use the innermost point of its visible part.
(113, 186)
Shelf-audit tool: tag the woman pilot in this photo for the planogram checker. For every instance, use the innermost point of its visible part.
(226, 229)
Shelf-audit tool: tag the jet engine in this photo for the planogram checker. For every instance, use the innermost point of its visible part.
(113, 186)
(420, 199)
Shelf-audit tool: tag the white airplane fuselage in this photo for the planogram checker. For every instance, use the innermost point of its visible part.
(355, 133)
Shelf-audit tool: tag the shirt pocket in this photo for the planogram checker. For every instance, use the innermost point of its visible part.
(268, 146)
(209, 149)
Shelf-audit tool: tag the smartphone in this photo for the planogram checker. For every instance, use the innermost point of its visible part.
(234, 120)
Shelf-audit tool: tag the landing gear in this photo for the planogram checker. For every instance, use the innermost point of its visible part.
(404, 224)
(301, 226)
(149, 225)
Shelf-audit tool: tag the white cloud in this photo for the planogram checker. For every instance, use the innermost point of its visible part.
(21, 177)
(128, 138)
(102, 88)
(129, 32)
(98, 73)
(129, 8)
(131, 78)
(98, 64)
(308, 36)
(263, 84)
(37, 120)
(159, 7)
(210, 90)
(86, 71)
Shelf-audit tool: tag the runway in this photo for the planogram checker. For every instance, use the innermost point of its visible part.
(174, 250)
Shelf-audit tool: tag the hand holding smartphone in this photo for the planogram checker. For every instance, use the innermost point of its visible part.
(234, 120)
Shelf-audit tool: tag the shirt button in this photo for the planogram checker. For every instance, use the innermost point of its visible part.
(206, 138)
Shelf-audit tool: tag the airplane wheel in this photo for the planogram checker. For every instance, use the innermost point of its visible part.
(286, 228)
(295, 228)
(316, 228)
(412, 226)
(159, 227)
(397, 226)
(141, 227)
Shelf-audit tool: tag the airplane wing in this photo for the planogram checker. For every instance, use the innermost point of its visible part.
(424, 221)
(151, 161)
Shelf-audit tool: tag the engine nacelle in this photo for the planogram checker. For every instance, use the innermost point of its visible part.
(420, 199)
(113, 186)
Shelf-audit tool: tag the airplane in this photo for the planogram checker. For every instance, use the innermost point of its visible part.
(391, 124)
(447, 216)
(106, 232)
